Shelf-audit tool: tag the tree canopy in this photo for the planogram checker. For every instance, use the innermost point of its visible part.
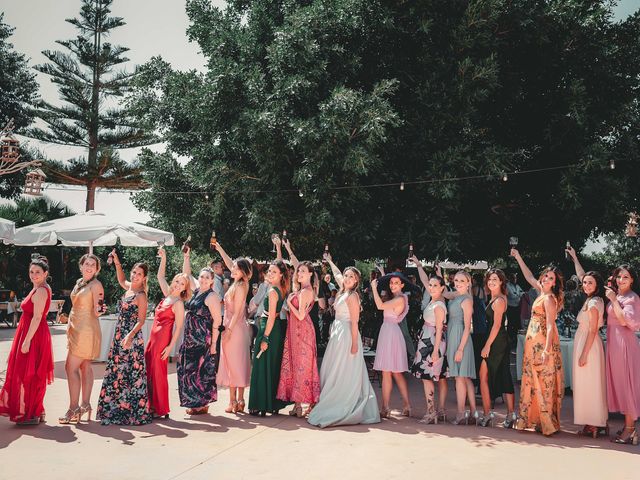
(88, 80)
(307, 106)
(18, 93)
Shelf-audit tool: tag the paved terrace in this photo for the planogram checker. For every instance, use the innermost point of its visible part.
(227, 446)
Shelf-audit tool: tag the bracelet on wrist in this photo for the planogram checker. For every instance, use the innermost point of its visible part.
(265, 339)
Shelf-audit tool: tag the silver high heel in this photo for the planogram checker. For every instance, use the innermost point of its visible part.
(442, 416)
(461, 417)
(510, 421)
(474, 418)
(429, 418)
(487, 420)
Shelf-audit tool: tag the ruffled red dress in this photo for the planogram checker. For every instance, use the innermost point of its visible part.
(28, 374)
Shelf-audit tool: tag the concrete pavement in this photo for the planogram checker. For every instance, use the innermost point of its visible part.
(225, 446)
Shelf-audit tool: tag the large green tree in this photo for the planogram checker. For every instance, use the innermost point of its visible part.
(90, 87)
(307, 105)
(18, 93)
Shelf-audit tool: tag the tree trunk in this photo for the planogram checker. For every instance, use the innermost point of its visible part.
(91, 196)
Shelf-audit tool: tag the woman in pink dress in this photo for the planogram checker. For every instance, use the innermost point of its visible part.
(234, 371)
(299, 378)
(623, 351)
(30, 363)
(163, 337)
(391, 350)
(589, 384)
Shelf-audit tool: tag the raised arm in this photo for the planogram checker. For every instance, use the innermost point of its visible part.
(225, 257)
(628, 315)
(574, 256)
(533, 281)
(186, 268)
(162, 281)
(392, 304)
(294, 260)
(337, 274)
(424, 278)
(122, 279)
(278, 244)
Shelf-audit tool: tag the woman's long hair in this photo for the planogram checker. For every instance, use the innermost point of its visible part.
(356, 287)
(501, 276)
(186, 293)
(244, 266)
(81, 283)
(145, 268)
(284, 280)
(632, 273)
(558, 288)
(309, 266)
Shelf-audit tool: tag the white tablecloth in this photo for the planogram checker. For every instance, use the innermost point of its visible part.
(108, 329)
(566, 347)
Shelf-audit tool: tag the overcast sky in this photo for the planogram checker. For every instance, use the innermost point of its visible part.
(154, 27)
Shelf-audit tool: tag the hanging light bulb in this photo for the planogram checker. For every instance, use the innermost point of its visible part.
(505, 177)
(300, 194)
(206, 196)
(612, 164)
(401, 185)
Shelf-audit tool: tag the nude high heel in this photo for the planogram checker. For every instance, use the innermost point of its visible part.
(86, 408)
(71, 417)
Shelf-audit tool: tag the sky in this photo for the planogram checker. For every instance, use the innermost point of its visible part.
(154, 27)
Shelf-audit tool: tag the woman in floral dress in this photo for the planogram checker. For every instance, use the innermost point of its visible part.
(299, 378)
(123, 396)
(198, 355)
(542, 386)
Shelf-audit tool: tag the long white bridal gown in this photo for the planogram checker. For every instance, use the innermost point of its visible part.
(346, 395)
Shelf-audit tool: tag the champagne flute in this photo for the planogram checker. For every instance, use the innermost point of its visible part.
(186, 245)
(566, 254)
(513, 243)
(274, 237)
(160, 245)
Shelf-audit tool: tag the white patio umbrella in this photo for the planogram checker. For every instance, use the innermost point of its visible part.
(91, 229)
(7, 230)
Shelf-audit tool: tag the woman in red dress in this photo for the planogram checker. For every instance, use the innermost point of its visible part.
(161, 340)
(299, 378)
(30, 363)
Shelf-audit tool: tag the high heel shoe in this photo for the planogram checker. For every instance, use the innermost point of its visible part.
(385, 412)
(429, 418)
(296, 412)
(603, 431)
(71, 417)
(232, 408)
(86, 408)
(442, 416)
(406, 411)
(461, 417)
(487, 420)
(510, 420)
(588, 431)
(473, 418)
(240, 407)
(632, 439)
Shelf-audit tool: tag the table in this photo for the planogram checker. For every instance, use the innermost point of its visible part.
(11, 315)
(108, 329)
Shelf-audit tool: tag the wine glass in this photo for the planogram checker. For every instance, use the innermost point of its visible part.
(513, 243)
(274, 237)
(160, 245)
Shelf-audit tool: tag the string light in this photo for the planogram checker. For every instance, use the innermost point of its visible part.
(504, 177)
(206, 196)
(612, 164)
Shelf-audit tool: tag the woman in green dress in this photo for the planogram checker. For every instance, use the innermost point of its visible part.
(265, 375)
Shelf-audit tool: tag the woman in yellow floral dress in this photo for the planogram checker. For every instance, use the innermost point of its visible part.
(542, 386)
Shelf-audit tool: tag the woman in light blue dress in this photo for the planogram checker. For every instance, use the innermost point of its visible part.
(346, 395)
(460, 357)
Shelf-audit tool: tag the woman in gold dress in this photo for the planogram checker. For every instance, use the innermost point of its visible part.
(542, 386)
(83, 335)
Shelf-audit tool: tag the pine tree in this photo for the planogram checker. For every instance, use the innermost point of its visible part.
(88, 82)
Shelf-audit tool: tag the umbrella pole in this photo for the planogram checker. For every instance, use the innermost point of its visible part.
(90, 247)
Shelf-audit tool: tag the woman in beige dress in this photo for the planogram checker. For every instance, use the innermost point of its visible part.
(589, 382)
(83, 335)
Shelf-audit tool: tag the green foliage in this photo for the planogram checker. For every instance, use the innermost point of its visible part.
(316, 96)
(88, 81)
(18, 91)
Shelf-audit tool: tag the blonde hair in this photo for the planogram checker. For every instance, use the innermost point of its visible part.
(466, 275)
(186, 293)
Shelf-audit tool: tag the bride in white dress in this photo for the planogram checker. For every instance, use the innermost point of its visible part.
(346, 395)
